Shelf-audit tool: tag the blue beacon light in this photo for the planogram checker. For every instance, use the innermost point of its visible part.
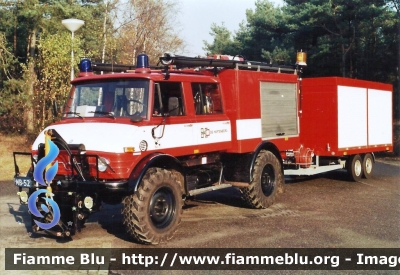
(142, 64)
(85, 67)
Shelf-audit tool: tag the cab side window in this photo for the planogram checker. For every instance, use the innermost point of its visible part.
(168, 99)
(207, 98)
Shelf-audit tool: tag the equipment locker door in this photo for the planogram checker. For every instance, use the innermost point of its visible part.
(278, 109)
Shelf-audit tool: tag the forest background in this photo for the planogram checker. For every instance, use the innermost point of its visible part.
(351, 38)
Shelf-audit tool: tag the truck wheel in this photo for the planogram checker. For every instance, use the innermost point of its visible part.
(354, 167)
(153, 212)
(367, 166)
(267, 180)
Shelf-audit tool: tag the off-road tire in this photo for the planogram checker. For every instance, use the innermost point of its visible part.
(266, 183)
(152, 214)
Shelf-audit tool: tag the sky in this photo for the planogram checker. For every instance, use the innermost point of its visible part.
(196, 16)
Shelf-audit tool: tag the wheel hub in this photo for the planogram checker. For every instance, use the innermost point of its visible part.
(357, 168)
(268, 180)
(368, 166)
(162, 207)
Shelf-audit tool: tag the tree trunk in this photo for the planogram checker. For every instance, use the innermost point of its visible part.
(343, 61)
(398, 68)
(103, 52)
(397, 93)
(29, 118)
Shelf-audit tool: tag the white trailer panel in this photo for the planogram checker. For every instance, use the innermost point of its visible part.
(379, 117)
(352, 117)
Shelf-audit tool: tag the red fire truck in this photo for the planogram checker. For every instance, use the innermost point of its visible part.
(153, 137)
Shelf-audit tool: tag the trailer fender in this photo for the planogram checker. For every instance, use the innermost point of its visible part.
(153, 160)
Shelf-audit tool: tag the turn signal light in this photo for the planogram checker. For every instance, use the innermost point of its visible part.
(129, 149)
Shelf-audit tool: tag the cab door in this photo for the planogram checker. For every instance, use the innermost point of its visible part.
(175, 126)
(212, 128)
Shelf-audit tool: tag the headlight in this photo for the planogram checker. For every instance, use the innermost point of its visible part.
(88, 201)
(103, 164)
(23, 196)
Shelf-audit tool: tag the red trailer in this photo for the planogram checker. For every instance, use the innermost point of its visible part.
(344, 119)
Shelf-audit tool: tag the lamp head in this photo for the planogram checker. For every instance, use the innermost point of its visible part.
(73, 24)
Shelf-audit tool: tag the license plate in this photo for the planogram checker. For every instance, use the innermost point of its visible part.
(23, 182)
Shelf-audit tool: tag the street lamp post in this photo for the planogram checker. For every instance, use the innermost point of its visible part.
(72, 25)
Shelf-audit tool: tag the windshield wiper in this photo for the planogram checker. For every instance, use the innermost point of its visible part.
(109, 114)
(74, 113)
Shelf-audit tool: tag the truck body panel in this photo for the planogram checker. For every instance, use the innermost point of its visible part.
(251, 122)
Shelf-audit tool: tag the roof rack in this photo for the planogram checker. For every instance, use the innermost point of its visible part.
(266, 68)
(107, 67)
(181, 62)
(184, 62)
(98, 67)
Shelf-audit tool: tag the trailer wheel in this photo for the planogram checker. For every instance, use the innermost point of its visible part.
(267, 181)
(367, 166)
(355, 167)
(153, 213)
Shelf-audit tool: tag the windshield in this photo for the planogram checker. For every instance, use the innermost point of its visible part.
(116, 98)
